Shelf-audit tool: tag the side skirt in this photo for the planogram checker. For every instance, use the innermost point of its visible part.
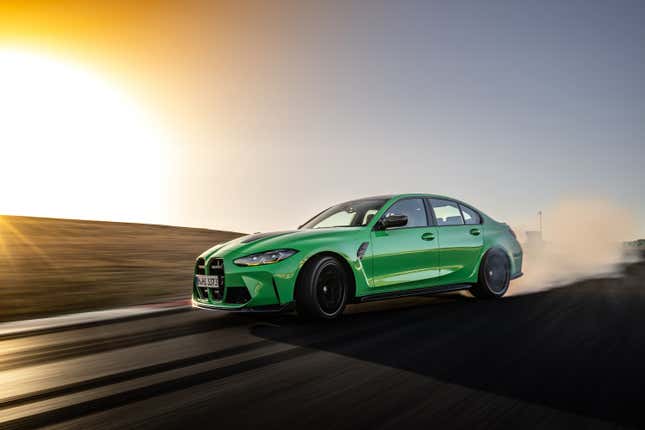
(426, 291)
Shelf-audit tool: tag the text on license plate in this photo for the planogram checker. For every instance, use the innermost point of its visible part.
(206, 281)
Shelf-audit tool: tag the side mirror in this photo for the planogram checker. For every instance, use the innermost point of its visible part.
(394, 221)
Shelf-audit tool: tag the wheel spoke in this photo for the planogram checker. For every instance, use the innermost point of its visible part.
(497, 272)
(329, 289)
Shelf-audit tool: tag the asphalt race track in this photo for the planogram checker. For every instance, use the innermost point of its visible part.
(567, 358)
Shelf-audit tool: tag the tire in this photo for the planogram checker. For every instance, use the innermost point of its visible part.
(494, 275)
(322, 288)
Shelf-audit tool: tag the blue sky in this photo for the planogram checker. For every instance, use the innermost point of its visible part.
(509, 105)
(273, 111)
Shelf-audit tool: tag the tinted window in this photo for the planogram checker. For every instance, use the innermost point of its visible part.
(413, 209)
(470, 216)
(446, 212)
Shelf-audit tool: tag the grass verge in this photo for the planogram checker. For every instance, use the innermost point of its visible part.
(55, 266)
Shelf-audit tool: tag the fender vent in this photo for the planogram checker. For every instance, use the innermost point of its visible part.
(362, 249)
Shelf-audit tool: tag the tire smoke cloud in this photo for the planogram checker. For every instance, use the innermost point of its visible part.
(583, 238)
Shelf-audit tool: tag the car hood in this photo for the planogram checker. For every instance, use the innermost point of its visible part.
(260, 242)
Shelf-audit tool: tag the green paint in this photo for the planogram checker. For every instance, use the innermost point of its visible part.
(396, 259)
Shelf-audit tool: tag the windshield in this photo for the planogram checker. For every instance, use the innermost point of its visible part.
(350, 214)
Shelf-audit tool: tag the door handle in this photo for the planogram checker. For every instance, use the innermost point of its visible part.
(427, 236)
(475, 231)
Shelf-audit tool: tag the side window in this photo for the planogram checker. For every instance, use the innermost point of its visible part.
(446, 212)
(413, 209)
(470, 216)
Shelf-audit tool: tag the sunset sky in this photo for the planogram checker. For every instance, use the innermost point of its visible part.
(255, 117)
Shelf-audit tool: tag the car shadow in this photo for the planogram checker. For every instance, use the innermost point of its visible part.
(577, 348)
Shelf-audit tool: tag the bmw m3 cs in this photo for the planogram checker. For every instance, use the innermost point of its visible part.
(363, 250)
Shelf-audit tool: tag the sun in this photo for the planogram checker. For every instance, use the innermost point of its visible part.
(74, 145)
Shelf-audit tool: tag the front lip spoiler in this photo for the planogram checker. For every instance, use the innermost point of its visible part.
(255, 309)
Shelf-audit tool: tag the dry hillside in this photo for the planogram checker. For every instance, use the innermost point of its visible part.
(52, 266)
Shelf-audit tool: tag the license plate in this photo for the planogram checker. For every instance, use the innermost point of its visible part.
(206, 281)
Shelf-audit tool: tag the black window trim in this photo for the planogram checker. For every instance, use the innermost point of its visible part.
(432, 220)
(481, 220)
(428, 219)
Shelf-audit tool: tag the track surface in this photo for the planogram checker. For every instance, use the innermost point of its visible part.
(566, 358)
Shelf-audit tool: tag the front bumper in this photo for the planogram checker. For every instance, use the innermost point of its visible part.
(260, 288)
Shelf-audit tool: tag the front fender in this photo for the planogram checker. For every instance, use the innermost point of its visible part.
(345, 252)
(274, 284)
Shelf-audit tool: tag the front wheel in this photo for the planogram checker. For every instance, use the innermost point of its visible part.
(321, 291)
(494, 275)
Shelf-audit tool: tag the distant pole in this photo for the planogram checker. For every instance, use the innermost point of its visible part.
(540, 221)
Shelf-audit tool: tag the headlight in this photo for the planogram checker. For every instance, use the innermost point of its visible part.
(268, 257)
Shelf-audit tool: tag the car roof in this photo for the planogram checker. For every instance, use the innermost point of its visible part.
(390, 197)
(437, 196)
(397, 196)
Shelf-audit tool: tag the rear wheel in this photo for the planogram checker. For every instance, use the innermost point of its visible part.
(494, 275)
(322, 288)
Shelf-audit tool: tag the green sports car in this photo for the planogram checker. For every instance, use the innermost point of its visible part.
(363, 250)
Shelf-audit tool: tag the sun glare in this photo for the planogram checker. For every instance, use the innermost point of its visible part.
(73, 145)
